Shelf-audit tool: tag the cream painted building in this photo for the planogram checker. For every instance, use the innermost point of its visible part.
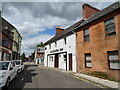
(16, 49)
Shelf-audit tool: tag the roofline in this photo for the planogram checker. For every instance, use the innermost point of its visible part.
(12, 26)
(100, 16)
(90, 6)
(65, 34)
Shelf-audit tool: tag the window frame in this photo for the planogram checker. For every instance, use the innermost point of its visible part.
(109, 60)
(87, 61)
(106, 29)
(65, 41)
(49, 46)
(86, 35)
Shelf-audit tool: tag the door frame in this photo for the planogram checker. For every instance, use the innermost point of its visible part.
(57, 53)
(70, 69)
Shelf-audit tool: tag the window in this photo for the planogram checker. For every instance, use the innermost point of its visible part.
(110, 27)
(86, 35)
(114, 62)
(65, 41)
(50, 58)
(88, 60)
(65, 57)
(49, 46)
(55, 44)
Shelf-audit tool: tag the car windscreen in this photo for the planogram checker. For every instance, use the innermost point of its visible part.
(17, 62)
(4, 65)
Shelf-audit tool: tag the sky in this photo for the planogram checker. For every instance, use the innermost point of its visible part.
(36, 21)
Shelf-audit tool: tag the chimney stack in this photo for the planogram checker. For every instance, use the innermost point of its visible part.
(59, 29)
(88, 10)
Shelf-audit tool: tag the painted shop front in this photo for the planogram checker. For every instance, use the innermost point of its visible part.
(61, 54)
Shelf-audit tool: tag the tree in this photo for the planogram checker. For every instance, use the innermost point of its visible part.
(33, 55)
(23, 56)
(40, 45)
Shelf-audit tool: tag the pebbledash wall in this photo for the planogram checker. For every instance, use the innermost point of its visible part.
(62, 51)
(102, 50)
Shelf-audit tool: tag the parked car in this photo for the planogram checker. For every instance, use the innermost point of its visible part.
(20, 65)
(8, 71)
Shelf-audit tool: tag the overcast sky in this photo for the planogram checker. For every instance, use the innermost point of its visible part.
(32, 18)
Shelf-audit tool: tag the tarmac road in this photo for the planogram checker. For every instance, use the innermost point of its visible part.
(36, 77)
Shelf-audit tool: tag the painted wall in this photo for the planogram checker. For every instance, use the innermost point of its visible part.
(69, 48)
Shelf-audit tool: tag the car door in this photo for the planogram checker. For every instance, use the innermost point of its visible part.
(12, 70)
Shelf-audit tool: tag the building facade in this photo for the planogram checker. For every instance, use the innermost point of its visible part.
(98, 41)
(16, 48)
(39, 55)
(6, 41)
(8, 36)
(60, 51)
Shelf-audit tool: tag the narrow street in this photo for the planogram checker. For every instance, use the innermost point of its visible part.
(36, 77)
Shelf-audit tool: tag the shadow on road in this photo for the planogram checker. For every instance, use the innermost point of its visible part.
(23, 78)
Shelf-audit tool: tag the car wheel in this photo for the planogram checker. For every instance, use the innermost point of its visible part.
(17, 71)
(7, 83)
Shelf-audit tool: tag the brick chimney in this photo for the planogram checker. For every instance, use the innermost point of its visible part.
(88, 10)
(59, 29)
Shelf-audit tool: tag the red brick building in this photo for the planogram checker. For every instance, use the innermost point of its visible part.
(98, 41)
(6, 41)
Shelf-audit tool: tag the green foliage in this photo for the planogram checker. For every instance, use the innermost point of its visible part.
(99, 74)
(33, 55)
(40, 45)
(23, 56)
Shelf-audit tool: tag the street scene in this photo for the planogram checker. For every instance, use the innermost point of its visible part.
(59, 44)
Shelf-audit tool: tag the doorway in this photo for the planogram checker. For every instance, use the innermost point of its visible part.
(70, 62)
(56, 63)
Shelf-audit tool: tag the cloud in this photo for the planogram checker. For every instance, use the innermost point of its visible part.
(30, 18)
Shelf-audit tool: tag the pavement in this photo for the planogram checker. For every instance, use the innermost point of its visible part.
(99, 81)
(37, 76)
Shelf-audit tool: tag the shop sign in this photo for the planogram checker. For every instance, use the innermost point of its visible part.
(56, 50)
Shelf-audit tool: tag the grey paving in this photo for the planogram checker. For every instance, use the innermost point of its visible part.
(36, 77)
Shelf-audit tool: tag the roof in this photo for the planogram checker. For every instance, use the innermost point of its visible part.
(64, 33)
(83, 22)
(101, 13)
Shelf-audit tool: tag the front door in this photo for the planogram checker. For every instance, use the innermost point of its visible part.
(56, 64)
(70, 62)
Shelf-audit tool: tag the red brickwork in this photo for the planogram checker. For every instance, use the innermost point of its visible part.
(98, 46)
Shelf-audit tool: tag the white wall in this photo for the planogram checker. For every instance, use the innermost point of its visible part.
(70, 47)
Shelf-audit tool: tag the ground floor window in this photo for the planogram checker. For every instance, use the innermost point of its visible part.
(88, 60)
(114, 62)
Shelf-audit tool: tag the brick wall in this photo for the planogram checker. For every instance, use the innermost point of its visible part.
(98, 46)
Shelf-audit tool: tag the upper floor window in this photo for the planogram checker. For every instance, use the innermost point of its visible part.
(110, 27)
(88, 60)
(65, 41)
(86, 35)
(55, 44)
(114, 62)
(49, 46)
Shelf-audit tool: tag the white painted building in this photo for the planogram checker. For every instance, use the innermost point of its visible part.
(60, 51)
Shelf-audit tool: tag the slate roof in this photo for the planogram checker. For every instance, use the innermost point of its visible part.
(83, 22)
(101, 13)
(64, 33)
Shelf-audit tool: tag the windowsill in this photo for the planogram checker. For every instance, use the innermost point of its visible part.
(109, 37)
(113, 69)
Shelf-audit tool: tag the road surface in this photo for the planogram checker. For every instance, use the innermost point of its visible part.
(36, 77)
